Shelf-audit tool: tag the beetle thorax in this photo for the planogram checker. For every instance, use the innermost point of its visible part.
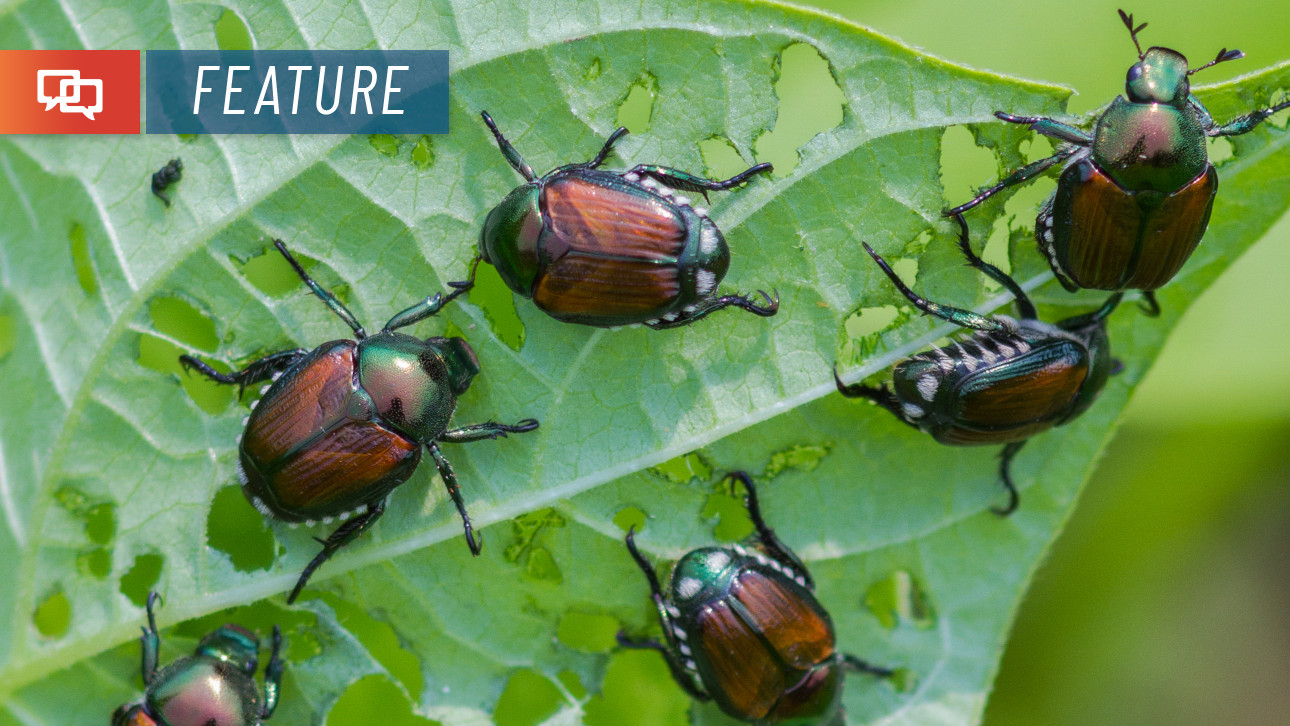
(233, 645)
(1150, 146)
(699, 570)
(413, 383)
(201, 691)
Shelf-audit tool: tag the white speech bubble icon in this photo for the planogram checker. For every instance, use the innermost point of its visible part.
(51, 101)
(71, 104)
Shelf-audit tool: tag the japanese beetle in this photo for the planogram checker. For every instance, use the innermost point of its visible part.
(742, 627)
(1012, 379)
(342, 425)
(213, 687)
(172, 172)
(608, 248)
(1134, 197)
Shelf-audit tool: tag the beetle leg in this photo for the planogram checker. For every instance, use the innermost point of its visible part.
(1149, 305)
(489, 430)
(679, 674)
(958, 316)
(331, 300)
(1024, 304)
(881, 395)
(512, 156)
(253, 373)
(338, 539)
(436, 302)
(150, 641)
(1248, 122)
(1080, 322)
(1005, 464)
(711, 305)
(1025, 173)
(766, 535)
(618, 133)
(450, 482)
(850, 662)
(1049, 127)
(677, 179)
(272, 677)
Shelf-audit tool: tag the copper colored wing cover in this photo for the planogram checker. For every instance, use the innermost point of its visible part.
(787, 615)
(613, 253)
(305, 458)
(749, 679)
(355, 463)
(1106, 241)
(1173, 231)
(301, 405)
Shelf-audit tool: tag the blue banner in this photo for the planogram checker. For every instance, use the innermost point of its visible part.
(297, 91)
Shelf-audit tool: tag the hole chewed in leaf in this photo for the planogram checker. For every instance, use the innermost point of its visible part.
(82, 260)
(726, 503)
(423, 153)
(637, 108)
(721, 159)
(965, 166)
(381, 641)
(271, 274)
(235, 528)
(630, 518)
(898, 599)
(684, 469)
(868, 321)
(529, 699)
(386, 144)
(100, 530)
(231, 32)
(810, 103)
(498, 303)
(588, 632)
(572, 683)
(1220, 150)
(178, 319)
(96, 563)
(53, 615)
(801, 458)
(8, 336)
(593, 70)
(630, 694)
(524, 550)
(142, 578)
(374, 699)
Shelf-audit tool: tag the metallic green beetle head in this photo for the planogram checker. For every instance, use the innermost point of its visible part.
(509, 239)
(1160, 77)
(234, 645)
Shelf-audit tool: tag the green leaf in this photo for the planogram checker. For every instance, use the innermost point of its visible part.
(110, 459)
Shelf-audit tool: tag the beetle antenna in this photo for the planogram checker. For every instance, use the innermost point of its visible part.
(965, 318)
(512, 156)
(1133, 32)
(1223, 56)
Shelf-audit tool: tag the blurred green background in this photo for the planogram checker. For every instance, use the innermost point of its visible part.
(1167, 598)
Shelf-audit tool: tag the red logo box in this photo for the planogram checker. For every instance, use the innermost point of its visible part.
(69, 91)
